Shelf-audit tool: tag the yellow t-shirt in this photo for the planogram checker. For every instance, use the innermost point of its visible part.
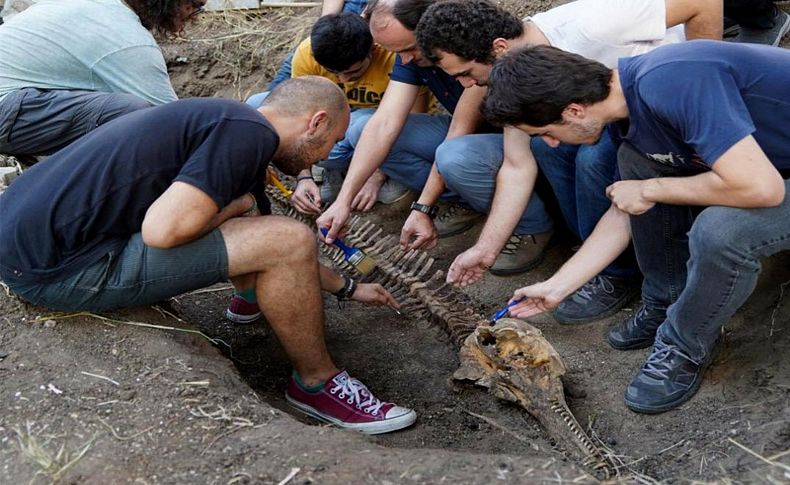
(367, 91)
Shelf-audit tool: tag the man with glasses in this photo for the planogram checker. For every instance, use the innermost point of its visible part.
(72, 65)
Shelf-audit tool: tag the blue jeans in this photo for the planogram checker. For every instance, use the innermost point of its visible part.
(354, 6)
(469, 166)
(411, 156)
(579, 175)
(703, 268)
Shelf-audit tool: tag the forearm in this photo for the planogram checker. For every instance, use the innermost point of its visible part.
(514, 185)
(375, 143)
(607, 241)
(330, 281)
(707, 22)
(331, 6)
(710, 189)
(236, 208)
(467, 117)
(434, 187)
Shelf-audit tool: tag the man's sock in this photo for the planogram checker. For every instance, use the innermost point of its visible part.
(247, 295)
(305, 387)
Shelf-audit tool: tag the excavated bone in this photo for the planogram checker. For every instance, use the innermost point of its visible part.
(516, 363)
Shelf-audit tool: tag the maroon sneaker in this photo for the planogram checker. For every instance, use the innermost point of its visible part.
(241, 311)
(347, 403)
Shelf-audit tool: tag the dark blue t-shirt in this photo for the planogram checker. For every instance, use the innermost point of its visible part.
(86, 200)
(689, 103)
(445, 87)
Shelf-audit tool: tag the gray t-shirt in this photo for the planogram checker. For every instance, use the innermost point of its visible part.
(94, 45)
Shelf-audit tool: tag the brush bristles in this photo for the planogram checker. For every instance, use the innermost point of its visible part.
(364, 263)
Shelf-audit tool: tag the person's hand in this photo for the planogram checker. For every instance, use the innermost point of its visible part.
(374, 294)
(369, 193)
(469, 266)
(627, 195)
(537, 298)
(334, 220)
(418, 231)
(306, 197)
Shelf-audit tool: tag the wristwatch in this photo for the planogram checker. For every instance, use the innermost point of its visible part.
(431, 210)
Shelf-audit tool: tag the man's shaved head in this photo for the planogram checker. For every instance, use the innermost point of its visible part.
(304, 95)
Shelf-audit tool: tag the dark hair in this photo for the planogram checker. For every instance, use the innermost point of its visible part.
(465, 28)
(409, 12)
(158, 15)
(534, 84)
(340, 40)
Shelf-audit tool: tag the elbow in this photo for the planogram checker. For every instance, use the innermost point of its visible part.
(158, 236)
(775, 195)
(768, 194)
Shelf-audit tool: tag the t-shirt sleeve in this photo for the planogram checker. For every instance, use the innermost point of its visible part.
(625, 21)
(303, 63)
(704, 110)
(139, 70)
(225, 169)
(405, 73)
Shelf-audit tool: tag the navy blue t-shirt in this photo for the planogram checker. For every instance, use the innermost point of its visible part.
(689, 103)
(445, 87)
(68, 211)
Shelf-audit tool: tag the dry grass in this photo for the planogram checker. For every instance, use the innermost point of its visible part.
(51, 465)
(250, 42)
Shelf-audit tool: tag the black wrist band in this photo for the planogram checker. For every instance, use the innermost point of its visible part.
(347, 291)
(304, 177)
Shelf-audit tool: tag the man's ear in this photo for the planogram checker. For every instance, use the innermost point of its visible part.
(500, 46)
(318, 122)
(574, 111)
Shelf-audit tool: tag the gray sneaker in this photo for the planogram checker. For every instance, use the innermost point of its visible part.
(770, 36)
(391, 192)
(455, 220)
(599, 298)
(521, 253)
(330, 185)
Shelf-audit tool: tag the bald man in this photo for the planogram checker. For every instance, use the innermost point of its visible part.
(168, 200)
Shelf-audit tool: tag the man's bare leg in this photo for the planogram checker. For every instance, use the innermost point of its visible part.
(282, 256)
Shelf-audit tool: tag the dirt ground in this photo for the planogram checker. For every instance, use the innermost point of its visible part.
(177, 394)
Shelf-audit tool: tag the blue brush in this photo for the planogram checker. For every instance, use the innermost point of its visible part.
(501, 313)
(364, 263)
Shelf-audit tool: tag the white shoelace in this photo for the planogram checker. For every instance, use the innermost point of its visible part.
(356, 392)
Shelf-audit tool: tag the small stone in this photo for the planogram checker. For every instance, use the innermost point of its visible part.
(50, 323)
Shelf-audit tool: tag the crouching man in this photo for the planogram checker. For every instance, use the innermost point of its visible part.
(149, 206)
(704, 125)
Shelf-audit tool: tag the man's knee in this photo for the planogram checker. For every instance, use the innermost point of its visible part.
(713, 233)
(450, 157)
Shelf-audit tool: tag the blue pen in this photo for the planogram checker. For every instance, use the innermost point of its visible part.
(501, 313)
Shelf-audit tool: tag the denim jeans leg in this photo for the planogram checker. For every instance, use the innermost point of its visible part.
(659, 235)
(469, 165)
(340, 156)
(726, 245)
(559, 167)
(283, 73)
(411, 157)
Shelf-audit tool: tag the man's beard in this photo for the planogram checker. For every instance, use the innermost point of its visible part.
(588, 128)
(301, 156)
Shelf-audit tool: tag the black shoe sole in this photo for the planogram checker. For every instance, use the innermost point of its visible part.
(642, 344)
